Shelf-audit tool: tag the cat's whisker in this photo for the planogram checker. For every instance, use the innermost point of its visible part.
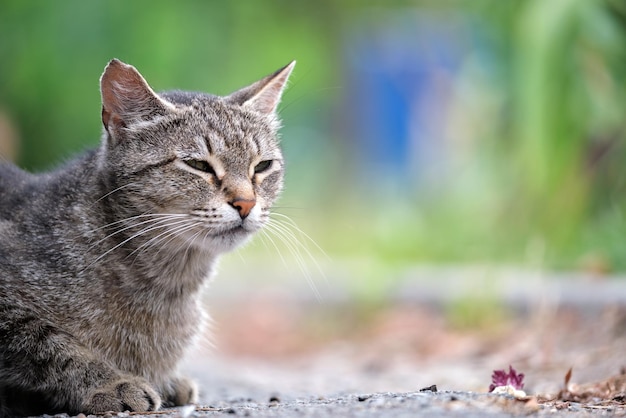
(292, 244)
(168, 234)
(190, 242)
(207, 233)
(288, 228)
(113, 191)
(288, 221)
(296, 248)
(285, 238)
(124, 227)
(132, 218)
(141, 232)
(164, 239)
(154, 222)
(265, 234)
(301, 265)
(178, 233)
(263, 237)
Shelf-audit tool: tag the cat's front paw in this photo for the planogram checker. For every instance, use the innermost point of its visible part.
(126, 394)
(180, 391)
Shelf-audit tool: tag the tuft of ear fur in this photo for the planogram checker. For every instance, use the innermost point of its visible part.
(264, 95)
(127, 98)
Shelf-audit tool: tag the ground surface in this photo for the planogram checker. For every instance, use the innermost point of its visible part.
(277, 352)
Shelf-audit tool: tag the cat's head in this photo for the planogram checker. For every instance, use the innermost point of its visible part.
(212, 163)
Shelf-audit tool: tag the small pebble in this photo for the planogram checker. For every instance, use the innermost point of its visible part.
(362, 398)
(378, 401)
(532, 406)
(509, 390)
(187, 410)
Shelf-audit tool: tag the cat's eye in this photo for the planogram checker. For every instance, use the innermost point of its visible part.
(262, 166)
(200, 165)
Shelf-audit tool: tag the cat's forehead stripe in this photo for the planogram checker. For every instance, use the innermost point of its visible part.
(207, 141)
(256, 143)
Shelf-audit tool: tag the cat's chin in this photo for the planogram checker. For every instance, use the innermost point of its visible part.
(227, 240)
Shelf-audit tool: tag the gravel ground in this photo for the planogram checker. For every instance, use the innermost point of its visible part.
(393, 405)
(276, 353)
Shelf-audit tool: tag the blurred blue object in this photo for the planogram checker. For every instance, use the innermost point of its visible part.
(401, 68)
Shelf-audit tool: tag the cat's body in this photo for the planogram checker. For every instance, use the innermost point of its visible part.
(102, 262)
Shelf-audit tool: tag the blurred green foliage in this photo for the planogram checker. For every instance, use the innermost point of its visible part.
(54, 52)
(545, 166)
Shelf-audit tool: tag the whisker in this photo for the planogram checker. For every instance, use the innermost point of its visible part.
(132, 218)
(113, 191)
(297, 249)
(206, 235)
(284, 227)
(276, 207)
(289, 240)
(141, 232)
(171, 234)
(301, 264)
(190, 242)
(162, 240)
(120, 230)
(263, 237)
(280, 254)
(292, 224)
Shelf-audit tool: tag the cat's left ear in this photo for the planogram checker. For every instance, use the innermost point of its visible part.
(264, 95)
(127, 99)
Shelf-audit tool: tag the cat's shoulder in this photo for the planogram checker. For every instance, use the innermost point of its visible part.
(12, 177)
(13, 182)
(9, 170)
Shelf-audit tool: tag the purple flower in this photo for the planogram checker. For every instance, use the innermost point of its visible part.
(502, 378)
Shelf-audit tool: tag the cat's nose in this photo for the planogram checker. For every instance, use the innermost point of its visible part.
(243, 206)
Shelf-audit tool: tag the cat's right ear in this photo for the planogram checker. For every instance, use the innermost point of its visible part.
(264, 95)
(127, 99)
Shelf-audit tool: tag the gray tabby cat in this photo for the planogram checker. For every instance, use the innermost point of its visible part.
(102, 262)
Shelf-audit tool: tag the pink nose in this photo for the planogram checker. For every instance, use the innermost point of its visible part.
(243, 206)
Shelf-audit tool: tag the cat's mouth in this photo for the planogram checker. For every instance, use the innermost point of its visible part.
(239, 229)
(230, 237)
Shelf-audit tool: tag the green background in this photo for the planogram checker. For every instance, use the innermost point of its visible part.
(539, 178)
